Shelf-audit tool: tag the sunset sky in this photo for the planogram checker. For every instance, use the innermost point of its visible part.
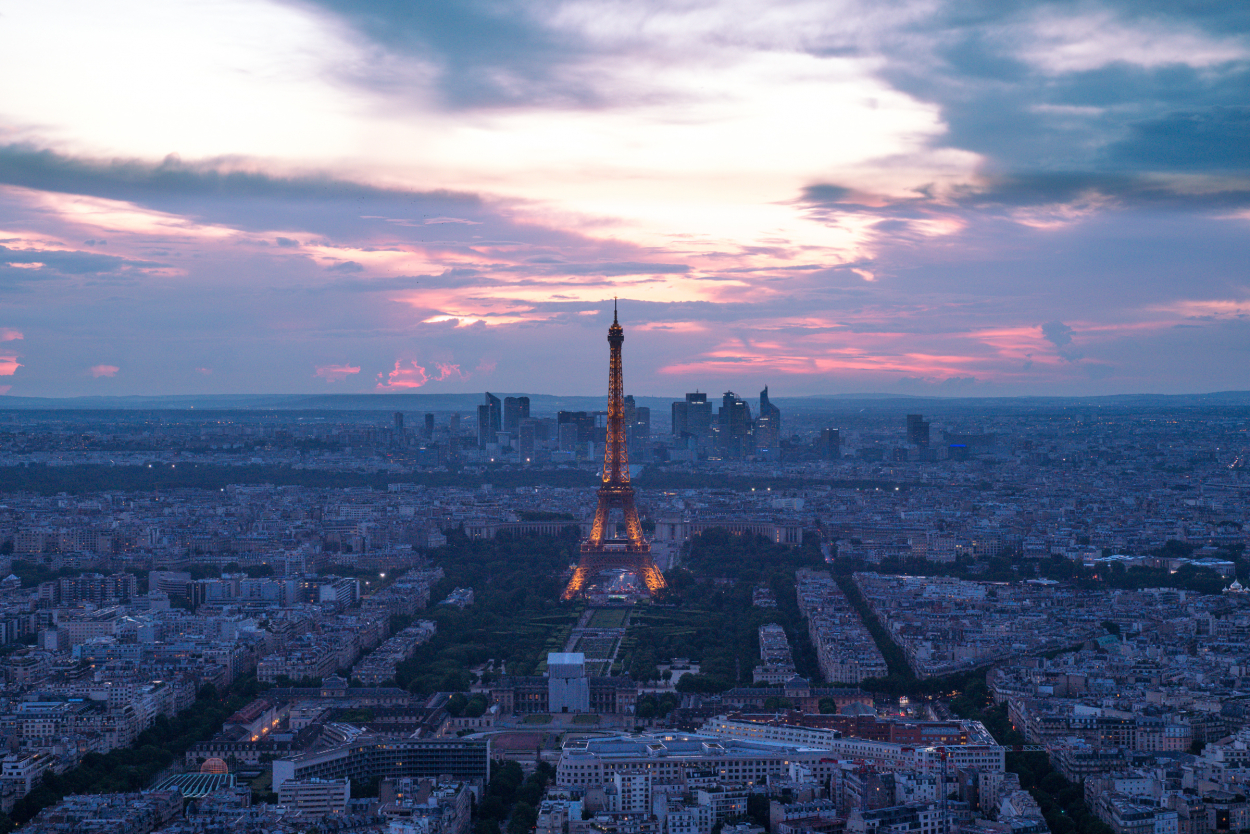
(947, 197)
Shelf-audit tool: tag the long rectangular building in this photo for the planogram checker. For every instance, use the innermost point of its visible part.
(590, 762)
(980, 751)
(369, 756)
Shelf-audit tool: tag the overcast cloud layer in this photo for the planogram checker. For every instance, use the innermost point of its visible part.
(976, 198)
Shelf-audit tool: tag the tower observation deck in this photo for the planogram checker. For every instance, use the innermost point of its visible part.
(602, 550)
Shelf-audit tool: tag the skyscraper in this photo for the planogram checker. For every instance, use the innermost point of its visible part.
(583, 420)
(566, 436)
(694, 416)
(489, 420)
(680, 419)
(637, 425)
(640, 434)
(399, 422)
(525, 440)
(515, 409)
(768, 428)
(829, 446)
(429, 426)
(917, 430)
(734, 428)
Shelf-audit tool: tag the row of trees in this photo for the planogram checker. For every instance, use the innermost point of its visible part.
(1062, 802)
(459, 704)
(516, 616)
(133, 768)
(652, 706)
(708, 615)
(512, 797)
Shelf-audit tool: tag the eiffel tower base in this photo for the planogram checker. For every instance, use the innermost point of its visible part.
(592, 562)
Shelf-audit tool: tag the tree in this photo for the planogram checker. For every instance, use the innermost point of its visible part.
(475, 707)
(705, 684)
(456, 704)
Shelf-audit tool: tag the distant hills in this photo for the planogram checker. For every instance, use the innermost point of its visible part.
(547, 404)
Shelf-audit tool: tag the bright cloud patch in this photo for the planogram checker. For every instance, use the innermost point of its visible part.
(412, 375)
(109, 371)
(336, 373)
(9, 365)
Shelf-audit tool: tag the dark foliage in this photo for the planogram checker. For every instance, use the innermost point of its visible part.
(132, 768)
(516, 616)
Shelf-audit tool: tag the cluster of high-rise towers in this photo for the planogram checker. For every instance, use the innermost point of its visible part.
(730, 432)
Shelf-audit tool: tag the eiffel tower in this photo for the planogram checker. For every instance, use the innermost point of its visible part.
(599, 551)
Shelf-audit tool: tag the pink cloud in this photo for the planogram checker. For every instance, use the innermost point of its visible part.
(110, 371)
(416, 376)
(4, 389)
(8, 334)
(336, 373)
(486, 366)
(9, 365)
(205, 371)
(402, 377)
(448, 371)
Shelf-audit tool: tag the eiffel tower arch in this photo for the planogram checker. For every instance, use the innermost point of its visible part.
(601, 551)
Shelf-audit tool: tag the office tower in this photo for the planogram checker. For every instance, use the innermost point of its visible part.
(680, 420)
(829, 446)
(484, 434)
(429, 426)
(515, 409)
(584, 420)
(399, 422)
(489, 420)
(453, 425)
(734, 428)
(641, 435)
(567, 436)
(698, 415)
(768, 427)
(917, 430)
(496, 412)
(637, 425)
(602, 550)
(525, 440)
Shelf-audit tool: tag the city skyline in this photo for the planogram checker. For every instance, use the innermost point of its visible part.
(917, 198)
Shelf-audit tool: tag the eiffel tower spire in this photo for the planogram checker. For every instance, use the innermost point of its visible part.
(601, 551)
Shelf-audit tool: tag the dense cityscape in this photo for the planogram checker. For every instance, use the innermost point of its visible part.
(1008, 618)
(915, 498)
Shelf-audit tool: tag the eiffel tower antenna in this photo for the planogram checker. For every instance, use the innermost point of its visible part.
(599, 551)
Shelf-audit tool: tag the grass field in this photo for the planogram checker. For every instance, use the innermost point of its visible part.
(536, 719)
(596, 647)
(608, 618)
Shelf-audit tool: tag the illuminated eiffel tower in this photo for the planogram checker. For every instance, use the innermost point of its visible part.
(599, 551)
